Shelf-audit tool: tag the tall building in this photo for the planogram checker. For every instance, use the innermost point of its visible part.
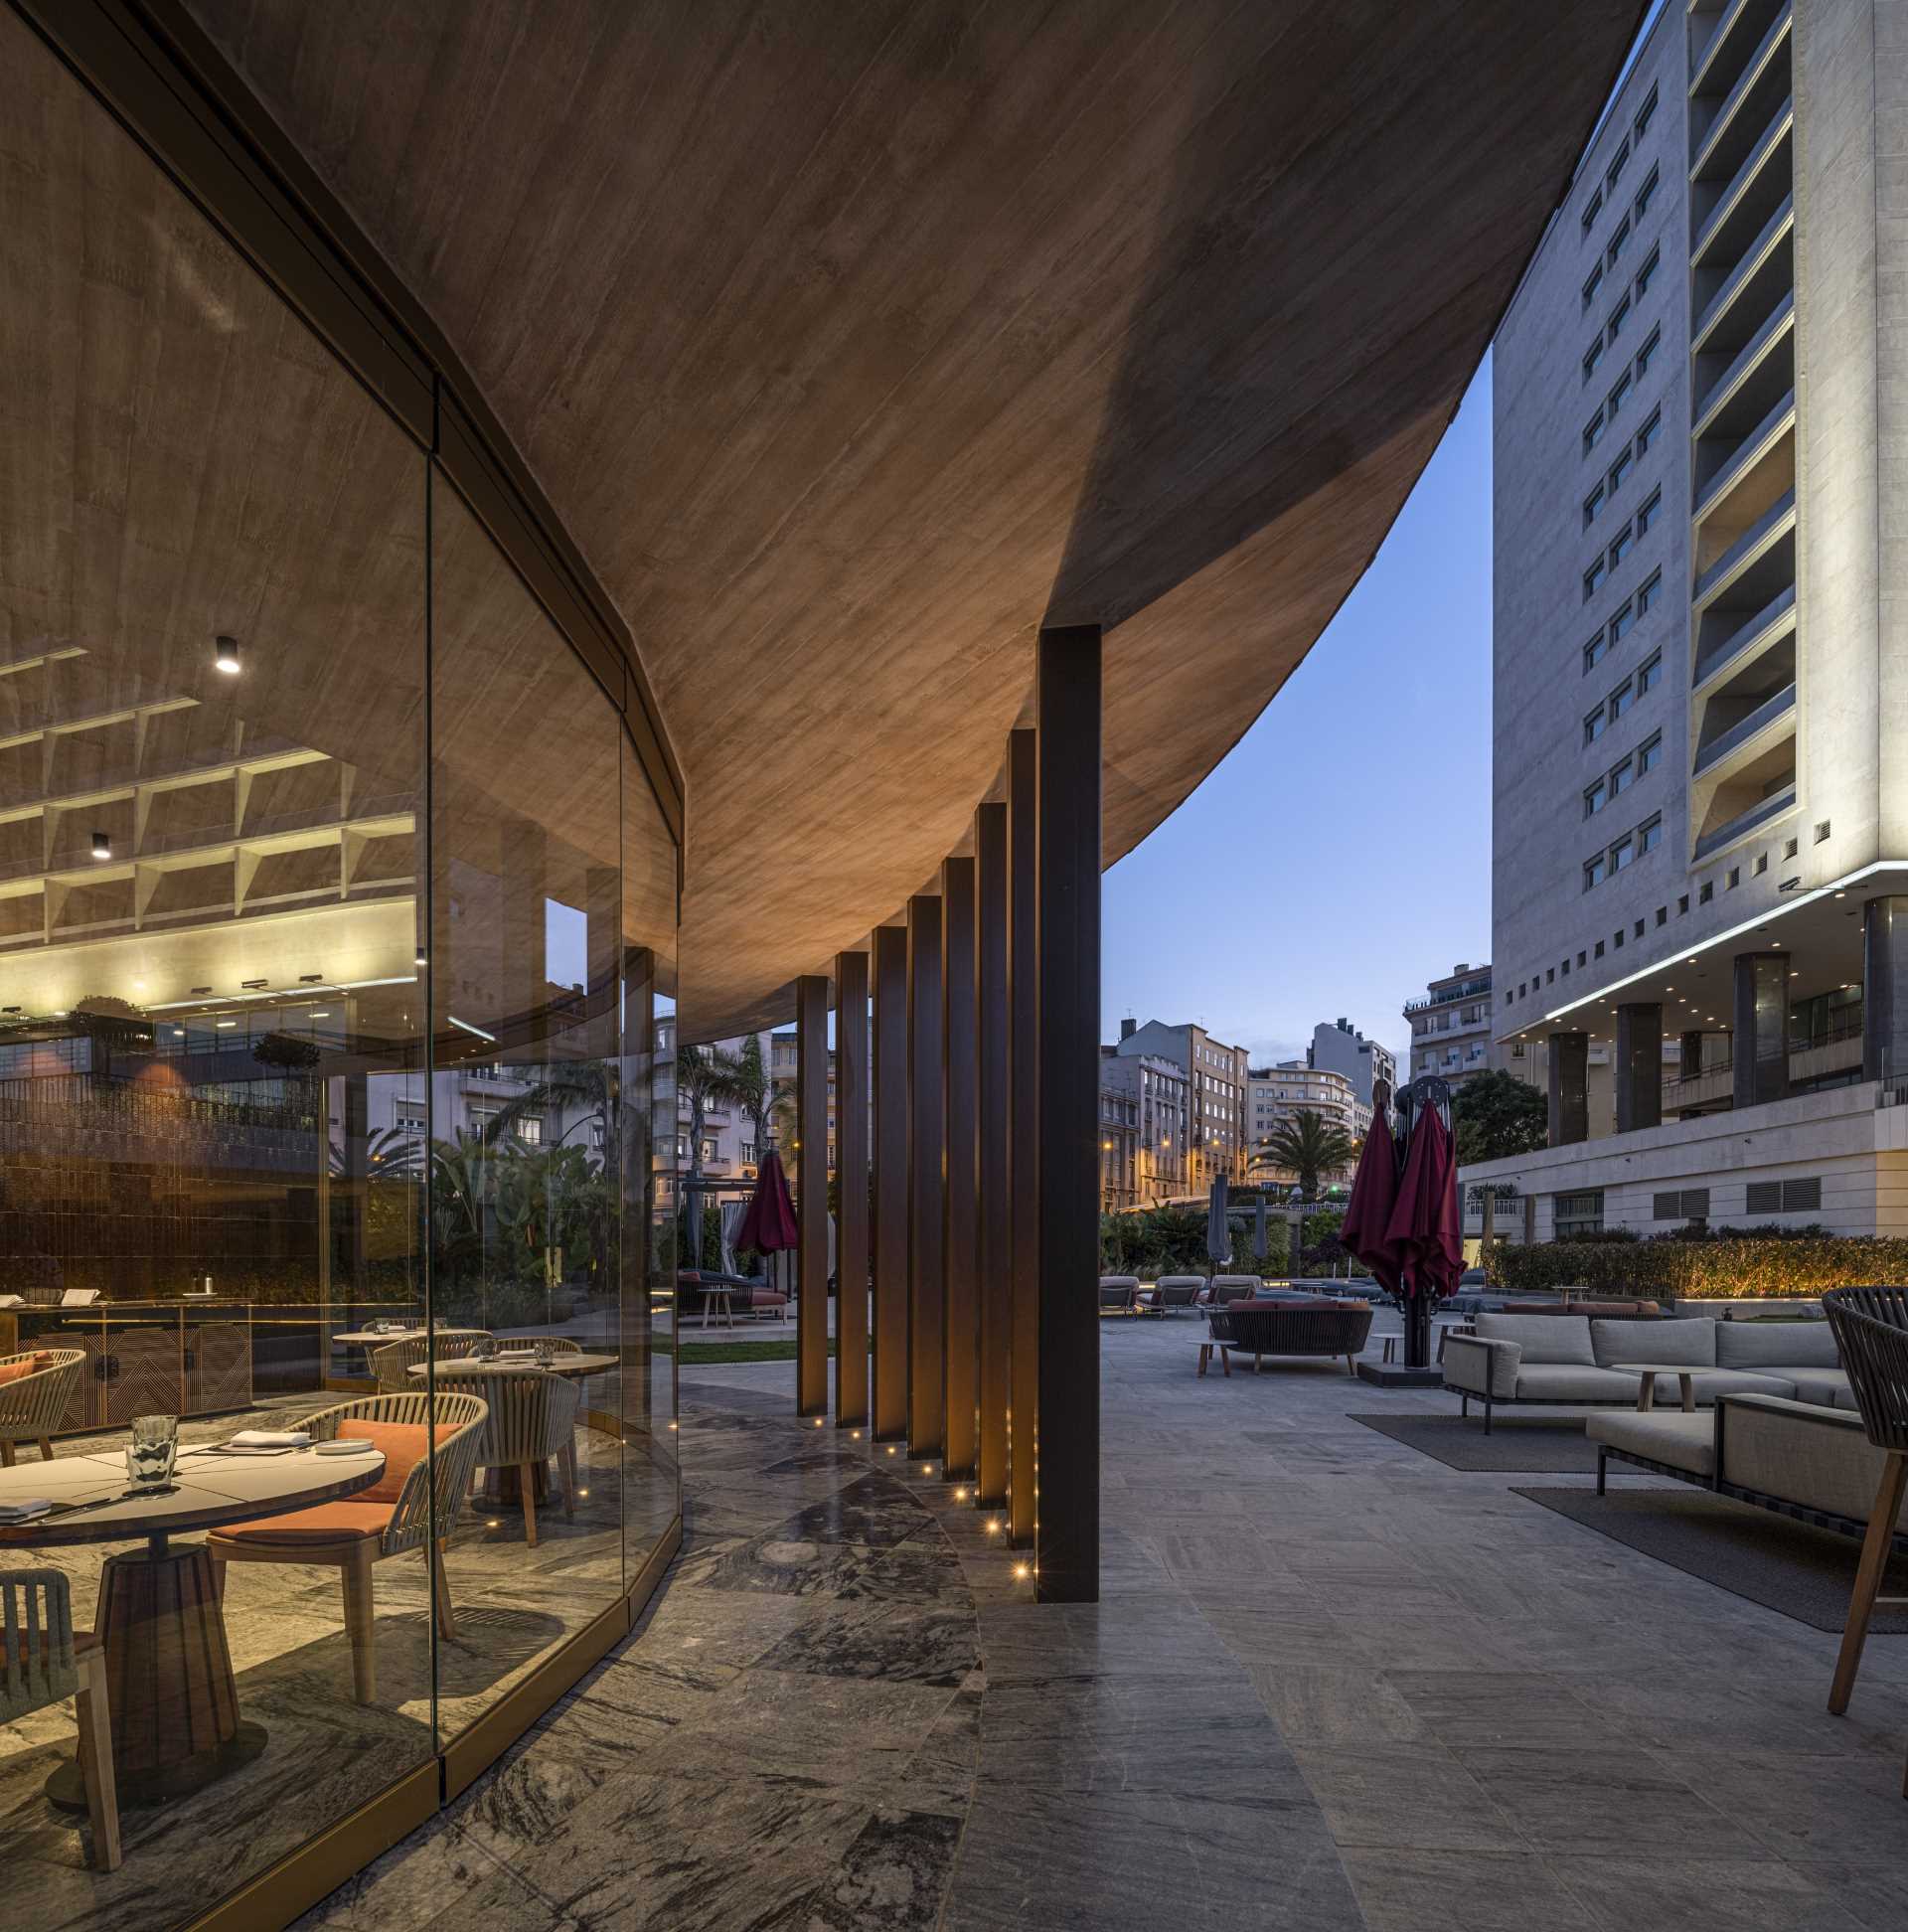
(1275, 1094)
(1145, 1106)
(1337, 1046)
(1450, 1027)
(1215, 1094)
(1700, 806)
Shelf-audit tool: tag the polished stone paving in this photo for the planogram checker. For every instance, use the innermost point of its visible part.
(1330, 1684)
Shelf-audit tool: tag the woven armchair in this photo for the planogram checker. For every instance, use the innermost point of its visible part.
(46, 1660)
(533, 1417)
(558, 1344)
(1872, 1336)
(32, 1405)
(393, 1361)
(353, 1534)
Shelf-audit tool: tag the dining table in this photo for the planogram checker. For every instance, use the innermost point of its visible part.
(503, 1486)
(176, 1724)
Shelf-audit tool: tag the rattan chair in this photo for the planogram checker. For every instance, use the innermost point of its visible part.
(393, 1361)
(47, 1660)
(533, 1417)
(34, 1405)
(1872, 1335)
(353, 1534)
(559, 1344)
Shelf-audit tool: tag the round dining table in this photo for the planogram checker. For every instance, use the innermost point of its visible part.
(561, 1363)
(174, 1703)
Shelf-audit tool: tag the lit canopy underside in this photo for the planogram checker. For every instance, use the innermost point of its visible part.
(854, 341)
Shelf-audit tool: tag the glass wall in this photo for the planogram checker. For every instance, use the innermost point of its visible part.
(337, 929)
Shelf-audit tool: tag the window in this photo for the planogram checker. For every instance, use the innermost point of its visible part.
(1650, 754)
(1647, 353)
(1646, 113)
(1652, 588)
(1616, 938)
(1682, 905)
(1762, 864)
(1593, 871)
(1621, 777)
(1593, 433)
(1591, 505)
(709, 1149)
(1646, 194)
(1595, 799)
(1621, 622)
(1663, 912)
(1591, 358)
(1617, 162)
(1622, 544)
(1592, 284)
(1549, 978)
(1622, 699)
(1591, 210)
(1618, 317)
(1593, 652)
(1647, 272)
(1599, 948)
(1788, 848)
(1583, 958)
(1652, 426)
(1619, 394)
(1649, 837)
(408, 1119)
(1593, 725)
(746, 1153)
(1734, 880)
(529, 1128)
(1650, 675)
(1620, 855)
(1593, 579)
(1650, 511)
(1577, 1213)
(1707, 892)
(1783, 1197)
(1620, 469)
(1618, 241)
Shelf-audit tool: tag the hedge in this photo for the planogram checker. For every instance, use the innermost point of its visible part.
(1699, 1270)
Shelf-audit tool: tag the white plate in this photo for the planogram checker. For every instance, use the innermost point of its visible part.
(344, 1446)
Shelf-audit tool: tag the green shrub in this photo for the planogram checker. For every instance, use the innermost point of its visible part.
(1767, 1268)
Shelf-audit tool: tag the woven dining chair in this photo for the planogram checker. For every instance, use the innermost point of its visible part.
(45, 1662)
(1872, 1335)
(392, 1362)
(391, 1517)
(36, 1387)
(533, 1417)
(559, 1343)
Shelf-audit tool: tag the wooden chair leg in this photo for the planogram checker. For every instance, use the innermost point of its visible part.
(1874, 1561)
(569, 1456)
(96, 1760)
(440, 1592)
(46, 1449)
(527, 1477)
(6, 1453)
(359, 1627)
(218, 1575)
(1206, 1356)
(1226, 1363)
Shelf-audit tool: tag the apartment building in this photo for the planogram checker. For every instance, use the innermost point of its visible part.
(1216, 1140)
(1337, 1046)
(1700, 806)
(1145, 1104)
(1276, 1094)
(1451, 1026)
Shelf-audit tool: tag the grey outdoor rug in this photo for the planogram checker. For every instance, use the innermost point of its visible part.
(1523, 1445)
(1804, 1572)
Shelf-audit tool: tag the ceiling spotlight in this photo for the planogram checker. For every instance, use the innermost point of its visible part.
(225, 654)
(102, 845)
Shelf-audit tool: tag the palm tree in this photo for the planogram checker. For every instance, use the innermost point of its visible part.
(1304, 1144)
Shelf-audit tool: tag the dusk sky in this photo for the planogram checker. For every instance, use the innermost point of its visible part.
(1340, 856)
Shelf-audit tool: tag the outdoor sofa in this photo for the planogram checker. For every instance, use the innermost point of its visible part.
(1287, 1327)
(1569, 1360)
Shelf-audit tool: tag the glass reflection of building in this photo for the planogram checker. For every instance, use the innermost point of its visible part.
(337, 917)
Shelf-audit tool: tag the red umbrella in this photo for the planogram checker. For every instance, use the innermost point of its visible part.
(1367, 1215)
(1424, 1229)
(768, 1223)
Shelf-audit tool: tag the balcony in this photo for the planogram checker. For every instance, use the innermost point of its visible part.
(1746, 287)
(1754, 379)
(1744, 822)
(1724, 463)
(1742, 26)
(1748, 640)
(1753, 198)
(1752, 546)
(1740, 738)
(1722, 143)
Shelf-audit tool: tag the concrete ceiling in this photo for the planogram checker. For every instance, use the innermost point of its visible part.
(853, 341)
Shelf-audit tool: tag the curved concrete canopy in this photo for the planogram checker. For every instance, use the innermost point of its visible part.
(853, 342)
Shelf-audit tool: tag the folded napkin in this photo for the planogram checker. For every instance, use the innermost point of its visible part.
(25, 1510)
(515, 1355)
(270, 1439)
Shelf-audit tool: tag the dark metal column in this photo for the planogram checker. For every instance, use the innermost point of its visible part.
(961, 1227)
(1024, 1140)
(927, 1181)
(1569, 1089)
(811, 1194)
(1638, 1066)
(1691, 1054)
(851, 1175)
(1884, 990)
(1066, 1563)
(990, 1105)
(1762, 1027)
(890, 1184)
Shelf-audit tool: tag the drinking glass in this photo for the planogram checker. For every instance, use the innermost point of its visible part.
(545, 1355)
(153, 1450)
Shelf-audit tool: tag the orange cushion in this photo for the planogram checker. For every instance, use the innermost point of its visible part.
(323, 1523)
(403, 1444)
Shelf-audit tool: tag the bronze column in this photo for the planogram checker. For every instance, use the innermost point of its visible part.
(851, 1175)
(1023, 1077)
(926, 1181)
(961, 1234)
(996, 1249)
(811, 1189)
(890, 1184)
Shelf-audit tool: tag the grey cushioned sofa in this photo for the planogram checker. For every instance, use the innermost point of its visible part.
(1569, 1360)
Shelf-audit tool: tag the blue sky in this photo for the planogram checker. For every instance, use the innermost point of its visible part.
(1293, 885)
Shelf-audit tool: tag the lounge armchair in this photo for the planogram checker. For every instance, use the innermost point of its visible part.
(1225, 1289)
(394, 1515)
(1119, 1294)
(1172, 1292)
(35, 1391)
(45, 1660)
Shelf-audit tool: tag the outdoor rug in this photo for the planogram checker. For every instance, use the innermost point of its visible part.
(1804, 1572)
(1525, 1445)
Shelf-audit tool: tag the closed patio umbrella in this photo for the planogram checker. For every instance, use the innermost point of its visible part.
(768, 1225)
(1367, 1215)
(1218, 1232)
(1425, 1229)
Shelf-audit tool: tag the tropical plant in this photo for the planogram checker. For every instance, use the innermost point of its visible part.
(1495, 1114)
(1306, 1145)
(707, 1076)
(389, 1154)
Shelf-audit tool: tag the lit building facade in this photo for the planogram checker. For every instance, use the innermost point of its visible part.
(1215, 1094)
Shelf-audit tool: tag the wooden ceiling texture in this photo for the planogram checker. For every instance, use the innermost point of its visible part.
(854, 340)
